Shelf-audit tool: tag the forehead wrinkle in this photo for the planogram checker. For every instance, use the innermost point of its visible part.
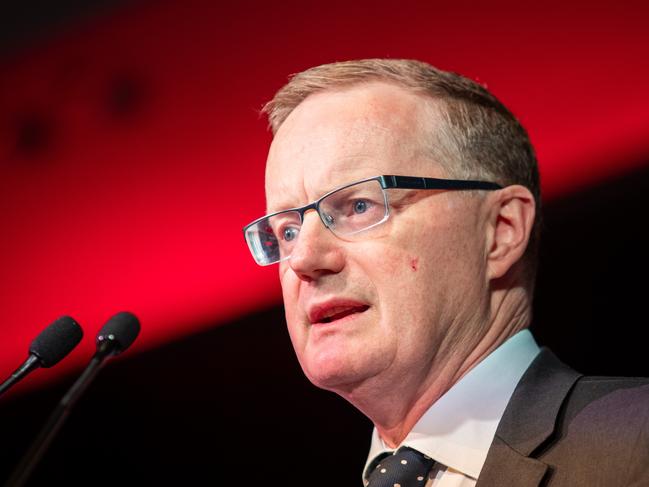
(279, 190)
(285, 189)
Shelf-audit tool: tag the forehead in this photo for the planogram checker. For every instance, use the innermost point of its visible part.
(336, 137)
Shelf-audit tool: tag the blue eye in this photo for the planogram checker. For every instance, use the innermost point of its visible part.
(360, 206)
(290, 233)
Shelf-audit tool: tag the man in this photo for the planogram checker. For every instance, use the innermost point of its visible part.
(402, 209)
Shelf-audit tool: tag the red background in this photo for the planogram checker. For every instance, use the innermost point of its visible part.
(132, 152)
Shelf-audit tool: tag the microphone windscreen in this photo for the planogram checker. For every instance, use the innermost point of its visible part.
(56, 341)
(122, 328)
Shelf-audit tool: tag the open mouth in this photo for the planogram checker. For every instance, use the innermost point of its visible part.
(339, 313)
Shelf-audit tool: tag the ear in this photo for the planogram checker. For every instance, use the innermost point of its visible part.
(511, 218)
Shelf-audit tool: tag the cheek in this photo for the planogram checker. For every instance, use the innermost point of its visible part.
(290, 289)
(411, 277)
(398, 276)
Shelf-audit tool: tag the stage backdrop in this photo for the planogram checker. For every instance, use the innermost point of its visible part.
(132, 151)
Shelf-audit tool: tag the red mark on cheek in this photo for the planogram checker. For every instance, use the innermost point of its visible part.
(414, 262)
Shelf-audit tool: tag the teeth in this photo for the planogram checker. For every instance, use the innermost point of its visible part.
(333, 312)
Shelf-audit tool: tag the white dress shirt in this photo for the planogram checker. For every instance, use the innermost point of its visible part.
(458, 429)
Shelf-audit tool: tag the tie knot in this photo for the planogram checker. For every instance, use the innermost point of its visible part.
(406, 467)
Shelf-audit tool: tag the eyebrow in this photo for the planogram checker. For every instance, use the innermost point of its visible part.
(287, 204)
(284, 203)
(281, 207)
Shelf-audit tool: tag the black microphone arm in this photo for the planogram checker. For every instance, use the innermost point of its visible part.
(115, 337)
(48, 348)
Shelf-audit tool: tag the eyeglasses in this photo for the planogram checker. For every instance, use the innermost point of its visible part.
(345, 211)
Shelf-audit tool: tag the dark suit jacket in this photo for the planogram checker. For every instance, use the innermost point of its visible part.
(561, 429)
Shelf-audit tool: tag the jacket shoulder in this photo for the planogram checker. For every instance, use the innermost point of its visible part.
(610, 395)
(602, 432)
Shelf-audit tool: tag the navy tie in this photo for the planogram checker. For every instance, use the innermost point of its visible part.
(406, 467)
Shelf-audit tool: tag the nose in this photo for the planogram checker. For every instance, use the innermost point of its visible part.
(317, 251)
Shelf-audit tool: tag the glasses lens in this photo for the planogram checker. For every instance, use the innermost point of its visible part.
(271, 239)
(354, 208)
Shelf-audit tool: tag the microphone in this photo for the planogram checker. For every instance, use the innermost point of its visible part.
(117, 334)
(48, 348)
(115, 337)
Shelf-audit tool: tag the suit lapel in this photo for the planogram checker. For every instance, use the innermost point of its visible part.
(527, 423)
(505, 466)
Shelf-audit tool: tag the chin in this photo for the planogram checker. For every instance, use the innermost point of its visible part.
(339, 373)
(330, 373)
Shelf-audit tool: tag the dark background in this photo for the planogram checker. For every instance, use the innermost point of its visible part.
(211, 392)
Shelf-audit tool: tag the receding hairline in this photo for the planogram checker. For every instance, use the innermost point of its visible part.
(428, 108)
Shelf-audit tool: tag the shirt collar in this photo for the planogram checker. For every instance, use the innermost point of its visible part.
(458, 429)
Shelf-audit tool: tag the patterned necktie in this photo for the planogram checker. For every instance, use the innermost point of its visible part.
(404, 468)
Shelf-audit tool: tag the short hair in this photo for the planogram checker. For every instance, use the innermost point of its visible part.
(478, 137)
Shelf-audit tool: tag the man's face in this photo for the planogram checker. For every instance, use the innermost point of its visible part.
(389, 305)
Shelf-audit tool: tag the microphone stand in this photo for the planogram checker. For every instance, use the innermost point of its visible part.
(58, 417)
(31, 364)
